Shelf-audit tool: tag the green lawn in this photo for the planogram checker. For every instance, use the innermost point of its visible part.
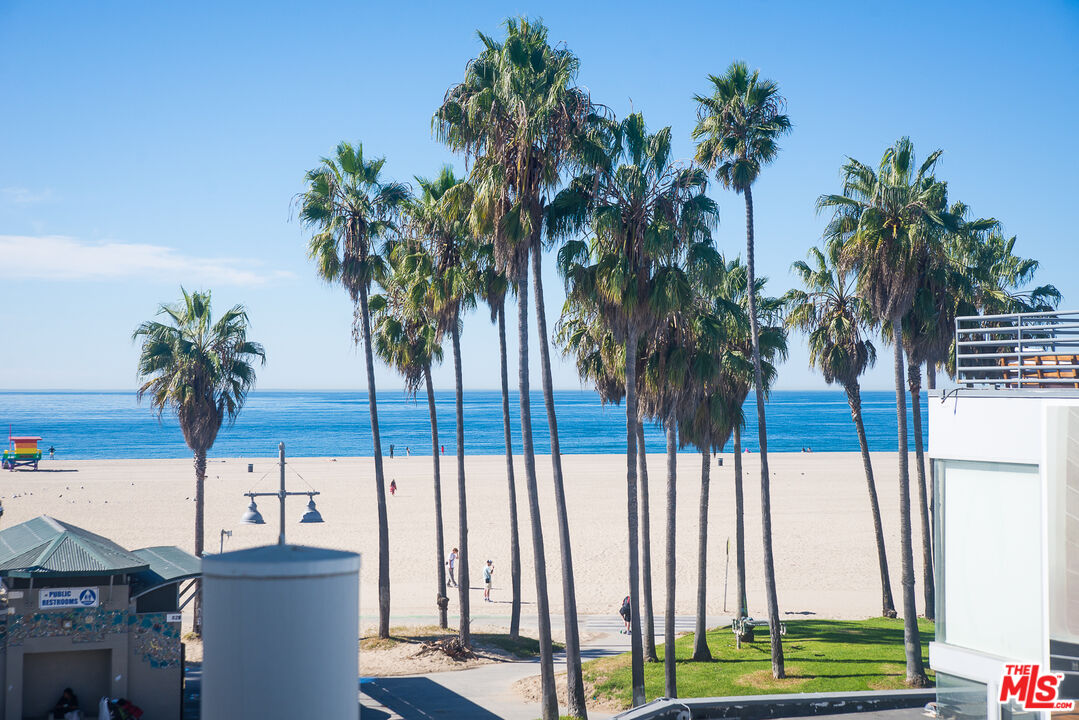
(820, 656)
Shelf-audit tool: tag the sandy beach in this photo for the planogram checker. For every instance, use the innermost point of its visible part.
(825, 557)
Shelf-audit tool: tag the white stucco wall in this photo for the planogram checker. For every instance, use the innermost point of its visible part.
(1005, 429)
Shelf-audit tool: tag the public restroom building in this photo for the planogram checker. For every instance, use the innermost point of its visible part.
(79, 611)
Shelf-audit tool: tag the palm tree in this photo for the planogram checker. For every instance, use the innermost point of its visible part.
(885, 219)
(351, 209)
(438, 218)
(945, 291)
(648, 617)
(202, 370)
(941, 290)
(835, 319)
(664, 374)
(704, 421)
(928, 333)
(719, 414)
(601, 360)
(493, 288)
(1001, 278)
(738, 126)
(630, 271)
(740, 528)
(519, 116)
(407, 339)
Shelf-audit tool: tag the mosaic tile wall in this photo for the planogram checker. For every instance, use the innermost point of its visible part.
(87, 625)
(154, 641)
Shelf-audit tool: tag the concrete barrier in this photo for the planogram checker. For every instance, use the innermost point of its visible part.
(758, 707)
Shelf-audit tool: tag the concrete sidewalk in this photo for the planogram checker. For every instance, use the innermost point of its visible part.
(486, 693)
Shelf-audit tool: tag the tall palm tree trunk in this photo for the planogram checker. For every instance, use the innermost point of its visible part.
(670, 684)
(854, 399)
(636, 656)
(931, 384)
(200, 530)
(548, 698)
(912, 646)
(914, 381)
(515, 540)
(766, 493)
(380, 476)
(462, 509)
(740, 538)
(574, 679)
(701, 653)
(649, 629)
(440, 544)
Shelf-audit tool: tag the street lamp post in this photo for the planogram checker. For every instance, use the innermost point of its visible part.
(254, 517)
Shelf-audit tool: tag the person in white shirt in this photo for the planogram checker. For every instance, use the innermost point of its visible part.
(452, 582)
(487, 572)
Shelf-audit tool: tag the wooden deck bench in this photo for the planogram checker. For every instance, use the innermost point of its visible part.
(1042, 367)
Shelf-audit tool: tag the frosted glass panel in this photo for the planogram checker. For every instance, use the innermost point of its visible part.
(992, 559)
(1062, 424)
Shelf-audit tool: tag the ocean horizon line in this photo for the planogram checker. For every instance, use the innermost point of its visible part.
(100, 424)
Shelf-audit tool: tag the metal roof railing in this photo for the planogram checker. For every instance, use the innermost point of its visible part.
(1021, 350)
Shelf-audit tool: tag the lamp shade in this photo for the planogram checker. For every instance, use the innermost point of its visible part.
(252, 516)
(312, 515)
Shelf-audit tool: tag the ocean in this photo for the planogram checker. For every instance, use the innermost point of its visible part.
(105, 425)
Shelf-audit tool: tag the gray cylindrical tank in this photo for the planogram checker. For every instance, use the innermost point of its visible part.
(280, 629)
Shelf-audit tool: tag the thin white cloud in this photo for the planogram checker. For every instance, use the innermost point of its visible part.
(24, 196)
(56, 257)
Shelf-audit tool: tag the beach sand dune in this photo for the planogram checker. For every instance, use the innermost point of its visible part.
(826, 563)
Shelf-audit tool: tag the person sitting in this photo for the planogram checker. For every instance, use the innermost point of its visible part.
(67, 703)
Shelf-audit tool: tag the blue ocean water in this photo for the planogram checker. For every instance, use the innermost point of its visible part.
(89, 425)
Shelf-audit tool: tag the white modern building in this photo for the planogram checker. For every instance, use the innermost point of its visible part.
(1004, 448)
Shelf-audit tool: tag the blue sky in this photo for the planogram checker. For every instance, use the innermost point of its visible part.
(148, 145)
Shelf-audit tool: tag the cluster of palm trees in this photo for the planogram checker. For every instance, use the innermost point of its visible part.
(648, 294)
(898, 257)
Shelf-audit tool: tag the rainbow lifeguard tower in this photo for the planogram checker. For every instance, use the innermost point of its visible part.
(23, 452)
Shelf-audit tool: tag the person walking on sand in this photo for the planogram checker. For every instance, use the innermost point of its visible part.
(391, 451)
(487, 572)
(408, 451)
(452, 562)
(627, 614)
(443, 449)
(52, 453)
(393, 487)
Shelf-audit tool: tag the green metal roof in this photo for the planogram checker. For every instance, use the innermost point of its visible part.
(45, 546)
(167, 564)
